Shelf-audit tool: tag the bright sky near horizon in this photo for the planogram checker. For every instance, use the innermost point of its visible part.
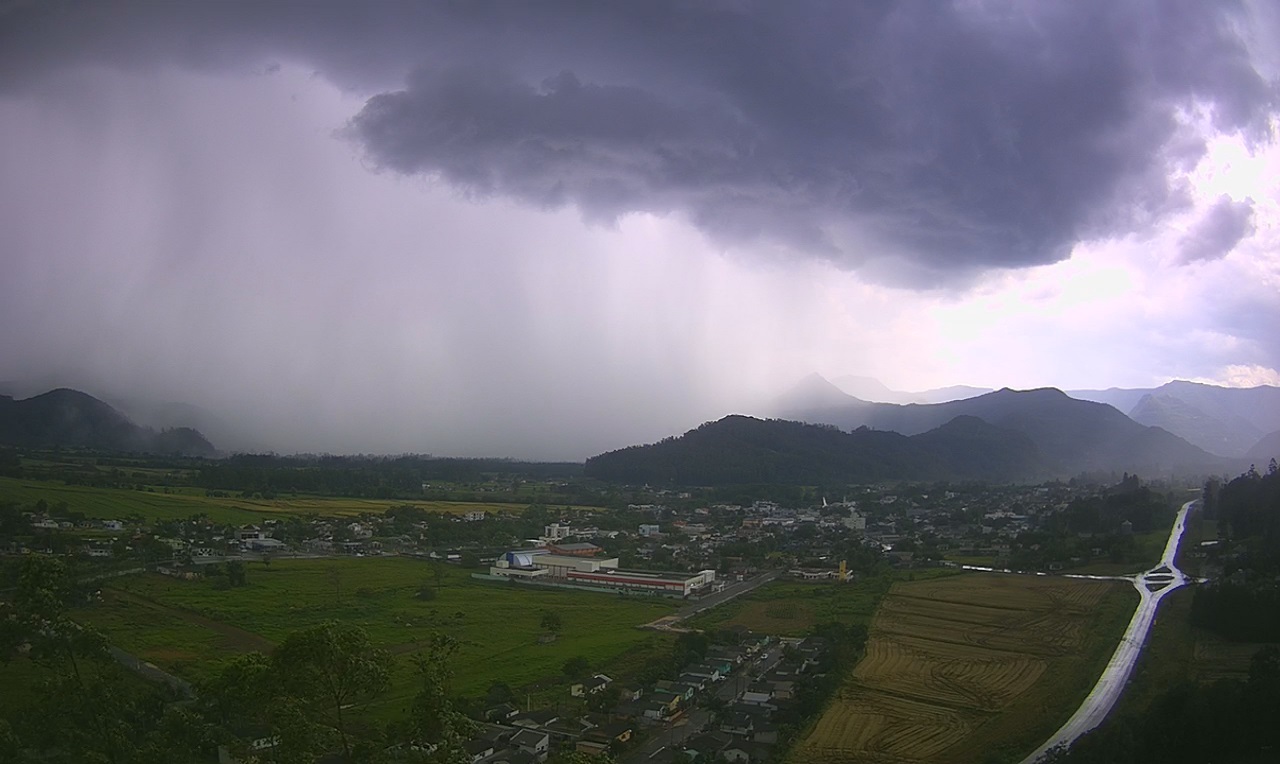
(549, 229)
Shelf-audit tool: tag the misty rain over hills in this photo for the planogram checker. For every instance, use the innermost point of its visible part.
(639, 383)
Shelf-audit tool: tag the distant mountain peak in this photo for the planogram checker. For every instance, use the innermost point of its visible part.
(815, 391)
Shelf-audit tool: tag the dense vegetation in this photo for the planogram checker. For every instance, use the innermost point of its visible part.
(1243, 603)
(1099, 522)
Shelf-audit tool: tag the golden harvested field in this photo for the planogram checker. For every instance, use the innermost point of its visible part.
(956, 667)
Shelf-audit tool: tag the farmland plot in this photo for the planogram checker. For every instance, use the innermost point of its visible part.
(957, 665)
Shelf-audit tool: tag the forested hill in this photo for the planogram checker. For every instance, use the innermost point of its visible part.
(738, 450)
(72, 419)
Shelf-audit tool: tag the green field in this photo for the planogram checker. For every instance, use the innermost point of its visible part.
(188, 627)
(118, 503)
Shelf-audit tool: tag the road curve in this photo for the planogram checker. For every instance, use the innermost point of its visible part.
(1152, 587)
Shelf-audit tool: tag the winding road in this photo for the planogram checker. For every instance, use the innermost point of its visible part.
(1152, 587)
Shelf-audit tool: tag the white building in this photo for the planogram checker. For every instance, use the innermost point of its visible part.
(556, 531)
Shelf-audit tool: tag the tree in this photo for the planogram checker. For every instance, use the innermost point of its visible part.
(330, 667)
(82, 710)
(552, 622)
(236, 574)
(434, 720)
(576, 666)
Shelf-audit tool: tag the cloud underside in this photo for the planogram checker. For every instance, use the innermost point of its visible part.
(1218, 232)
(949, 139)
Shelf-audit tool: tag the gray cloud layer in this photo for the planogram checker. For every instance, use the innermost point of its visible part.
(951, 138)
(1225, 225)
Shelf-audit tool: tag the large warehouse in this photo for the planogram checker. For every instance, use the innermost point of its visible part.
(536, 566)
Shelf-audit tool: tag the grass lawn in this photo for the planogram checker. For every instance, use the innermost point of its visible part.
(190, 626)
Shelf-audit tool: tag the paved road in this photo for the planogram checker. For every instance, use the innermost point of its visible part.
(1152, 587)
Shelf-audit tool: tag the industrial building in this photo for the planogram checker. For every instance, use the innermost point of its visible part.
(537, 566)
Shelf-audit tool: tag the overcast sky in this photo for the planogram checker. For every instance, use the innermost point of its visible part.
(546, 229)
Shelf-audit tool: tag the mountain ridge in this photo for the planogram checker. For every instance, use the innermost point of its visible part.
(739, 449)
(1072, 435)
(69, 418)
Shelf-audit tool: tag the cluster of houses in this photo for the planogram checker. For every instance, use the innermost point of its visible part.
(511, 736)
(748, 682)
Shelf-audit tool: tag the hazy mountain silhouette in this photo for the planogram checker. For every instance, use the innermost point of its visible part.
(1265, 450)
(741, 450)
(1071, 435)
(1222, 420)
(873, 390)
(72, 419)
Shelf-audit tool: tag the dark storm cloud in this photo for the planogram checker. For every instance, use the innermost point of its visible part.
(954, 137)
(1221, 229)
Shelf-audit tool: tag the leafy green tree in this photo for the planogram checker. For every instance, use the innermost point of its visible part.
(328, 669)
(236, 574)
(82, 709)
(576, 666)
(434, 720)
(551, 621)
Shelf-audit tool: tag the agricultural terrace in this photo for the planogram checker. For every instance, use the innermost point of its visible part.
(182, 503)
(189, 627)
(964, 668)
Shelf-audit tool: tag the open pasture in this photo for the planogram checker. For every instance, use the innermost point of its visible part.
(181, 503)
(957, 665)
(189, 627)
